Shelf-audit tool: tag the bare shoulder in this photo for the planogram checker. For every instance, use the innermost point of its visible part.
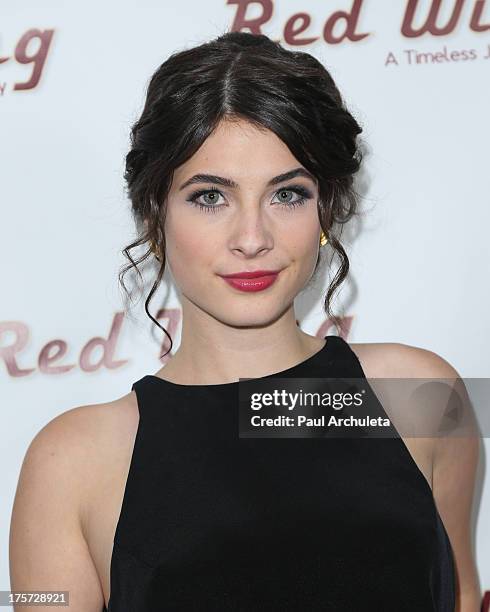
(430, 405)
(454, 457)
(66, 499)
(399, 360)
(64, 465)
(76, 433)
(76, 447)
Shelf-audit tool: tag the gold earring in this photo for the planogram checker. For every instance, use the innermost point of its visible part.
(323, 239)
(155, 250)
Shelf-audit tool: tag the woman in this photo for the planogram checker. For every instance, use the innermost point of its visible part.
(242, 163)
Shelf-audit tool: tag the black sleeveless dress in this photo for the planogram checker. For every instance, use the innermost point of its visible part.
(213, 522)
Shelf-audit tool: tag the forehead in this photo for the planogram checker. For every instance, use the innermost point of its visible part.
(241, 151)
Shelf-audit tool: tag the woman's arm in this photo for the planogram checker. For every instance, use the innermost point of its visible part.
(455, 463)
(454, 467)
(47, 547)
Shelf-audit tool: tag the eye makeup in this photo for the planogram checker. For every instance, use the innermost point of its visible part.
(302, 192)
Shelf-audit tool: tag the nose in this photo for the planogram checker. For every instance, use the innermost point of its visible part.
(251, 235)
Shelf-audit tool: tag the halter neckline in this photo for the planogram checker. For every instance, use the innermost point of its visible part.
(317, 357)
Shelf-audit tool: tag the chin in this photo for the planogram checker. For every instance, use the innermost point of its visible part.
(260, 318)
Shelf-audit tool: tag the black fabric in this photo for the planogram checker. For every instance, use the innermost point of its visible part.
(214, 522)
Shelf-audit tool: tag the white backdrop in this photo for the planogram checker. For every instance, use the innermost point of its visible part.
(72, 80)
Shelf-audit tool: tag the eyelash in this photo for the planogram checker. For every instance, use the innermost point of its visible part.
(297, 189)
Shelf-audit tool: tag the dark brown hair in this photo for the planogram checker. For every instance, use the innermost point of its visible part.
(241, 76)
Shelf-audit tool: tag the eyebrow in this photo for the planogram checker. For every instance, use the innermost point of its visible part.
(226, 182)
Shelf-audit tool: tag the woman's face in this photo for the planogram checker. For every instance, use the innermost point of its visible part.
(243, 217)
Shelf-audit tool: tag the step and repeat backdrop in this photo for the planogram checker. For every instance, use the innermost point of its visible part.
(415, 74)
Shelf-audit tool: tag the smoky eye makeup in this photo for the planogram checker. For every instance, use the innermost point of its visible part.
(303, 194)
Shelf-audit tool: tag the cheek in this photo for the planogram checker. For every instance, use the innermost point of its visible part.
(302, 249)
(188, 251)
(302, 241)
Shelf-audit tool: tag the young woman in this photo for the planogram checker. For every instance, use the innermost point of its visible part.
(240, 175)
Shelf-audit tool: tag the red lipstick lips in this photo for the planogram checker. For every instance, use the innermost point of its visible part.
(256, 280)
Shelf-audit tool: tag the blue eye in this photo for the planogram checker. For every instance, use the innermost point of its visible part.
(206, 207)
(302, 193)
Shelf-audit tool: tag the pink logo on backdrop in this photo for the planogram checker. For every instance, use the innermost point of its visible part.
(98, 352)
(30, 50)
(297, 28)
